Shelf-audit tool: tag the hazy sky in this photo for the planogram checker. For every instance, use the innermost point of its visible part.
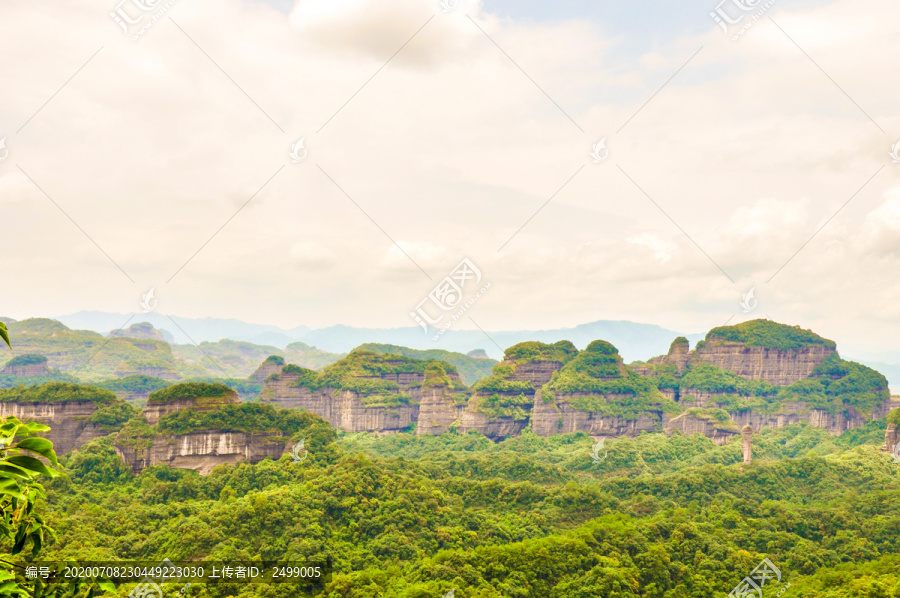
(432, 136)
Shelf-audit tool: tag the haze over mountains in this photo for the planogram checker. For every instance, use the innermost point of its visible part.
(635, 341)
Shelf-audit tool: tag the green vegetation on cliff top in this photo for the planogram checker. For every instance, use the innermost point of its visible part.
(531, 351)
(362, 372)
(137, 383)
(894, 417)
(274, 360)
(190, 390)
(251, 418)
(767, 334)
(834, 386)
(595, 380)
(415, 516)
(26, 359)
(57, 392)
(519, 355)
(471, 369)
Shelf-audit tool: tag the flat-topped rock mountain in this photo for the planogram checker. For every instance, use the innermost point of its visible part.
(199, 426)
(197, 396)
(759, 373)
(76, 414)
(143, 330)
(28, 365)
(364, 391)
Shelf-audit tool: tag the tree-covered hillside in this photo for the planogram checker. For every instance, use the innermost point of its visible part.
(412, 517)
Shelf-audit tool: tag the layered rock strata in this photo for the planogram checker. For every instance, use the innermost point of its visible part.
(68, 426)
(202, 451)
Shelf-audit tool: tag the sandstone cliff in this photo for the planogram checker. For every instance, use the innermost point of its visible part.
(775, 366)
(272, 366)
(191, 395)
(76, 414)
(759, 373)
(502, 404)
(892, 433)
(714, 424)
(68, 426)
(203, 451)
(595, 393)
(26, 366)
(365, 391)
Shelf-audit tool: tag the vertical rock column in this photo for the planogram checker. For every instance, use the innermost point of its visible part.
(747, 442)
(891, 438)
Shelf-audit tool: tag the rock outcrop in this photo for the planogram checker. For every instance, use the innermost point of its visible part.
(68, 409)
(365, 391)
(502, 405)
(146, 367)
(196, 396)
(68, 426)
(679, 356)
(775, 366)
(746, 375)
(26, 366)
(438, 411)
(202, 451)
(595, 393)
(719, 431)
(747, 444)
(892, 434)
(272, 366)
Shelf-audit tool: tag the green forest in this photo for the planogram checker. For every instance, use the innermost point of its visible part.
(418, 516)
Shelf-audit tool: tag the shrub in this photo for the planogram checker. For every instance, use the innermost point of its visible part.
(189, 390)
(768, 334)
(57, 392)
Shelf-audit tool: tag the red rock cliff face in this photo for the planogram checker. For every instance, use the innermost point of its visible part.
(537, 373)
(68, 428)
(156, 409)
(559, 417)
(26, 371)
(202, 451)
(688, 424)
(265, 370)
(437, 411)
(757, 363)
(344, 409)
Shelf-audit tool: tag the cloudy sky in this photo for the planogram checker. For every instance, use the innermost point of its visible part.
(159, 158)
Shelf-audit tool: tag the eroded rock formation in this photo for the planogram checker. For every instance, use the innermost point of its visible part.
(69, 428)
(775, 366)
(203, 451)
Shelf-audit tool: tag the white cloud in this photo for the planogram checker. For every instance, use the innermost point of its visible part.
(449, 149)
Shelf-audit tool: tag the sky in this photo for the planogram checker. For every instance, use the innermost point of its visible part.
(589, 160)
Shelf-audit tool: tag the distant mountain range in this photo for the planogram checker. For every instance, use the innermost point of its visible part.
(635, 341)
